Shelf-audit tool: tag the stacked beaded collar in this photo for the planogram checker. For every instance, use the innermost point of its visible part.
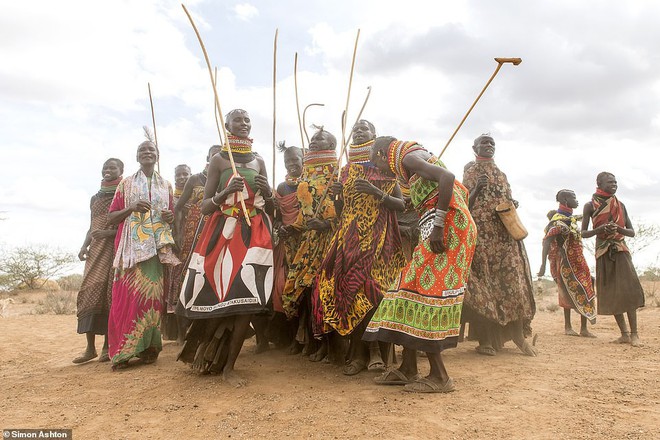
(322, 157)
(360, 153)
(108, 188)
(396, 153)
(563, 209)
(238, 145)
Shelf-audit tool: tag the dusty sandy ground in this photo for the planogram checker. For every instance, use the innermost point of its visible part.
(576, 388)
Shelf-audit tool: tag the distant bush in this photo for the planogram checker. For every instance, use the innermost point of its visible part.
(70, 282)
(57, 303)
(32, 266)
(49, 285)
(552, 307)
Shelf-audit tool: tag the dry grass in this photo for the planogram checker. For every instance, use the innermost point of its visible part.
(57, 303)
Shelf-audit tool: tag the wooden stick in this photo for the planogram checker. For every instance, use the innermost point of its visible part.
(153, 120)
(295, 86)
(325, 193)
(348, 96)
(215, 107)
(500, 61)
(222, 120)
(364, 104)
(304, 124)
(274, 98)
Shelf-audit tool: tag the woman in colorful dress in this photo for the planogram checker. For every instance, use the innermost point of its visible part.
(169, 327)
(365, 254)
(281, 331)
(319, 165)
(562, 245)
(617, 283)
(187, 217)
(97, 252)
(142, 207)
(422, 310)
(499, 301)
(230, 274)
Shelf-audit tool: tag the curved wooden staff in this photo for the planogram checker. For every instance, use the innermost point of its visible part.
(274, 98)
(500, 61)
(153, 120)
(325, 193)
(295, 86)
(222, 121)
(348, 96)
(304, 124)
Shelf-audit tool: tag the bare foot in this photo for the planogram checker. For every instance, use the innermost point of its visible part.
(586, 334)
(199, 363)
(570, 332)
(88, 355)
(294, 348)
(261, 347)
(233, 379)
(623, 339)
(104, 356)
(320, 354)
(634, 340)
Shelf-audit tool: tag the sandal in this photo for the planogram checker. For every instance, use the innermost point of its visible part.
(486, 350)
(394, 377)
(376, 365)
(85, 357)
(426, 385)
(354, 367)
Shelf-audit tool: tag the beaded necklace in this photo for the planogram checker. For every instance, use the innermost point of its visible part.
(108, 188)
(238, 145)
(565, 210)
(396, 152)
(322, 157)
(360, 153)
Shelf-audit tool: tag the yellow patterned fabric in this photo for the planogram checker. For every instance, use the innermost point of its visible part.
(364, 257)
(314, 244)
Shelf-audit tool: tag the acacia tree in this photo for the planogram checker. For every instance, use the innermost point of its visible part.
(645, 235)
(34, 265)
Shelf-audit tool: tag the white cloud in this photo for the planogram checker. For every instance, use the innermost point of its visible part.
(245, 11)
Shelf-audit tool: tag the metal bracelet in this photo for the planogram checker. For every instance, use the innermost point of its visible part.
(440, 217)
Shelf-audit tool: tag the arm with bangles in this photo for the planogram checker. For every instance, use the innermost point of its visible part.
(416, 163)
(212, 197)
(392, 201)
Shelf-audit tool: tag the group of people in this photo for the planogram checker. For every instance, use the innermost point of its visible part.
(330, 263)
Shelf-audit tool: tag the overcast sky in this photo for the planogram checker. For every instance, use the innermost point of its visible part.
(74, 74)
